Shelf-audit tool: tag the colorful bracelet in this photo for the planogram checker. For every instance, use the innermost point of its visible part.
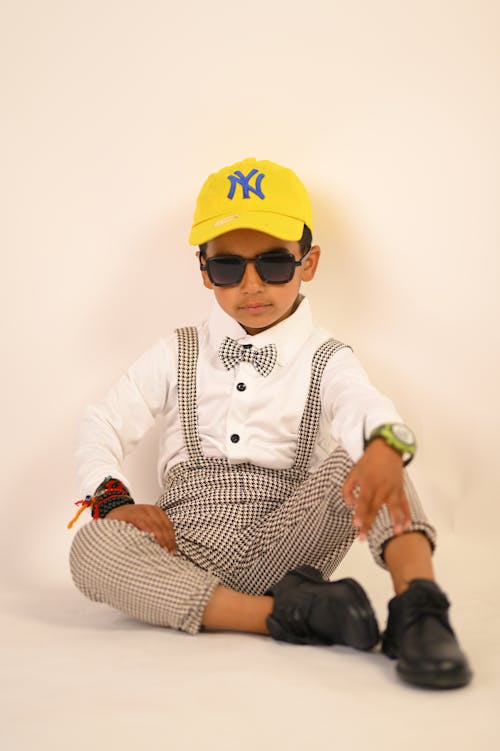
(110, 494)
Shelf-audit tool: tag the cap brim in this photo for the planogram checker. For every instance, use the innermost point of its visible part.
(283, 227)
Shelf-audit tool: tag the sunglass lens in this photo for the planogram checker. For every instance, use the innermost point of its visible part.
(226, 271)
(276, 269)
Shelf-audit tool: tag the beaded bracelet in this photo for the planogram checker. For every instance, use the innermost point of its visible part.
(105, 507)
(110, 494)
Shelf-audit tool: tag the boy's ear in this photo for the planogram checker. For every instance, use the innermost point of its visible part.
(311, 264)
(206, 281)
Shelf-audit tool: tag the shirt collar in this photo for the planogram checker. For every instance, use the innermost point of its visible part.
(288, 336)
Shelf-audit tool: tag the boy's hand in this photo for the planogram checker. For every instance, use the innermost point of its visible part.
(377, 479)
(150, 519)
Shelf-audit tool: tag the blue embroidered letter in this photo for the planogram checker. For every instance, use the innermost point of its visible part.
(244, 180)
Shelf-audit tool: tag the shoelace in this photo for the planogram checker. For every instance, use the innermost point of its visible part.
(427, 604)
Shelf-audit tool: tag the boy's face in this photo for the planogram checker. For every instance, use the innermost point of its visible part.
(255, 304)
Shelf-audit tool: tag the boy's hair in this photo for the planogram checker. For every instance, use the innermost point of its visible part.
(305, 242)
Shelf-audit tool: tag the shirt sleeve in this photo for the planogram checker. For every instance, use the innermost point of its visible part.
(112, 427)
(350, 402)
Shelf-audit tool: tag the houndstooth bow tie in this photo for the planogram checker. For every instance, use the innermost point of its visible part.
(263, 358)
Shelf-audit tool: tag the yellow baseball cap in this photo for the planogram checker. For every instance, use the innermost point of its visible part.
(252, 194)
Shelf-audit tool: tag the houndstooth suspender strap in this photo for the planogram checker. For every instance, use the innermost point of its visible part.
(187, 359)
(309, 423)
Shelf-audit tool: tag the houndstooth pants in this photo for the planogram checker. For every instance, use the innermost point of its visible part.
(241, 526)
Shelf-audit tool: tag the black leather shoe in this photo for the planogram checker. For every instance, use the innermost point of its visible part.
(419, 635)
(309, 610)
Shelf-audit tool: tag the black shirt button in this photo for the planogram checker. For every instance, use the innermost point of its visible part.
(235, 438)
(241, 386)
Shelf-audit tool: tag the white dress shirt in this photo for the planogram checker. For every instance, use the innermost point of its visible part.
(265, 414)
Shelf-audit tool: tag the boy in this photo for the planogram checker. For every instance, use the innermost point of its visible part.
(258, 507)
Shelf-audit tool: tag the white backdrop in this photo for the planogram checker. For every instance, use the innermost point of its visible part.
(113, 114)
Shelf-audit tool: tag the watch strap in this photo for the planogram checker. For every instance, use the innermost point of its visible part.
(385, 431)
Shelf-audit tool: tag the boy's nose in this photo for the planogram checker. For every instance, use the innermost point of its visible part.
(251, 279)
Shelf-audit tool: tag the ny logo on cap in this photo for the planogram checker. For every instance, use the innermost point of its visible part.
(244, 180)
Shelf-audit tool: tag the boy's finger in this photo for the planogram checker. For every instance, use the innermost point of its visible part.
(369, 511)
(401, 514)
(363, 508)
(153, 527)
(165, 537)
(350, 490)
(161, 527)
(367, 521)
(171, 545)
(167, 531)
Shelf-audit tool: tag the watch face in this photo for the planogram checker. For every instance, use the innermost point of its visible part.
(403, 434)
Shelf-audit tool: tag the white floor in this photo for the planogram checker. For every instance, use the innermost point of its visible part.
(77, 675)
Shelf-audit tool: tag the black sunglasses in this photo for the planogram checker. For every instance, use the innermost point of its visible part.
(275, 267)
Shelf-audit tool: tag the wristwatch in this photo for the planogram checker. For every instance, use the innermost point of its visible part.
(398, 437)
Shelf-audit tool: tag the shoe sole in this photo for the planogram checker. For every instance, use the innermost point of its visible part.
(367, 635)
(440, 680)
